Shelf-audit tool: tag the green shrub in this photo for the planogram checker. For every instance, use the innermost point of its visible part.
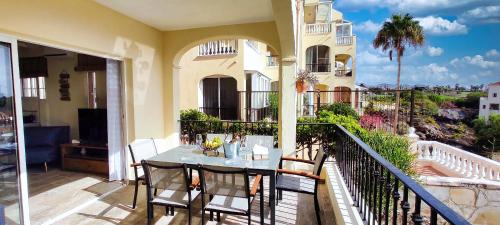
(429, 107)
(440, 99)
(193, 114)
(471, 100)
(488, 133)
(341, 109)
(348, 122)
(273, 104)
(393, 148)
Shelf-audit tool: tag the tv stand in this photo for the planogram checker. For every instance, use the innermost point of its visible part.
(85, 158)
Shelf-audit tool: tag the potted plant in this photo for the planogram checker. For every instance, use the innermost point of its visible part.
(304, 78)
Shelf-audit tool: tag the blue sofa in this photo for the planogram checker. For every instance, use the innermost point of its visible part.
(42, 143)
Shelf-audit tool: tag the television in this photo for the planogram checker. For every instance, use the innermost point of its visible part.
(93, 126)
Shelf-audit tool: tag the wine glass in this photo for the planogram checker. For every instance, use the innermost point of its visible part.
(199, 140)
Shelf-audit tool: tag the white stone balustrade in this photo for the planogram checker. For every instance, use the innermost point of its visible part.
(318, 28)
(219, 47)
(458, 162)
(345, 40)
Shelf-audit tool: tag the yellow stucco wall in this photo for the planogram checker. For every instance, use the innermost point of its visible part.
(85, 26)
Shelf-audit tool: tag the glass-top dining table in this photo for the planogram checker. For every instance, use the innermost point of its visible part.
(192, 156)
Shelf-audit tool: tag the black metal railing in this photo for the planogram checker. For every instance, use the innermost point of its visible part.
(318, 67)
(376, 185)
(258, 105)
(343, 73)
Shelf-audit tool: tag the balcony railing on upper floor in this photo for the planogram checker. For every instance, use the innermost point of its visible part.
(343, 72)
(318, 67)
(272, 61)
(318, 28)
(219, 47)
(345, 40)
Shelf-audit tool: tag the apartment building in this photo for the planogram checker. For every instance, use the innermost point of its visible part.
(233, 79)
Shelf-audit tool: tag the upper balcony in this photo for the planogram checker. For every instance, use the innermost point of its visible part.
(318, 28)
(344, 34)
(219, 47)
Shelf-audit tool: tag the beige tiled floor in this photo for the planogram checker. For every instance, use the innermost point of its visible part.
(115, 209)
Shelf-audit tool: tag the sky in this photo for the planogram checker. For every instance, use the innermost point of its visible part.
(462, 41)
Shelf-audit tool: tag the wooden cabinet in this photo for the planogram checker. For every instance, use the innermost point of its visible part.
(85, 158)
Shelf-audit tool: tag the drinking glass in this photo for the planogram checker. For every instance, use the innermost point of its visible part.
(199, 140)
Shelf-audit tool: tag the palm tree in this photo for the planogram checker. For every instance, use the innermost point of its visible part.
(399, 32)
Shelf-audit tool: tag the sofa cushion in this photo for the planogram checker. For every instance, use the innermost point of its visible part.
(41, 136)
(41, 155)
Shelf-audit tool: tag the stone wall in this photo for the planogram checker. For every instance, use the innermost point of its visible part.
(478, 203)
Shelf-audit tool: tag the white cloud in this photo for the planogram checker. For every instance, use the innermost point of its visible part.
(484, 14)
(367, 26)
(417, 7)
(368, 58)
(492, 53)
(476, 60)
(439, 26)
(435, 68)
(434, 51)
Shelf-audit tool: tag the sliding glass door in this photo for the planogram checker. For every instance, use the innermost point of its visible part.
(11, 207)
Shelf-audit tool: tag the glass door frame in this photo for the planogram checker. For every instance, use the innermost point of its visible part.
(22, 177)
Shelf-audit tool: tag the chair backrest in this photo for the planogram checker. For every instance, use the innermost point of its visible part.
(142, 149)
(165, 176)
(319, 161)
(263, 140)
(231, 182)
(223, 137)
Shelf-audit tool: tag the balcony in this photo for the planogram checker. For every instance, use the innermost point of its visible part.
(219, 47)
(318, 28)
(272, 61)
(345, 40)
(343, 72)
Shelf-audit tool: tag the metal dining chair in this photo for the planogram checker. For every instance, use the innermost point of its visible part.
(175, 184)
(228, 191)
(139, 150)
(300, 181)
(262, 140)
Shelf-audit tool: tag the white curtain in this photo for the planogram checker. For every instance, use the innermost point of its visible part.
(115, 126)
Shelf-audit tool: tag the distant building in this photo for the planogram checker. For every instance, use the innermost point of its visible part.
(490, 105)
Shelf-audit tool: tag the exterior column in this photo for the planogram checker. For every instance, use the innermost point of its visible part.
(287, 119)
(174, 127)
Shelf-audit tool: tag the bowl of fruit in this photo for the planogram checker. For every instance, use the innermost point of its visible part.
(211, 146)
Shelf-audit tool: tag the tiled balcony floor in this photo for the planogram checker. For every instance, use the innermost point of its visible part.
(115, 209)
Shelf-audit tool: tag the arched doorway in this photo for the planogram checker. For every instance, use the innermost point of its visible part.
(342, 94)
(220, 97)
(318, 58)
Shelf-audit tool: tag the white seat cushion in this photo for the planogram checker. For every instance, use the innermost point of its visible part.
(175, 198)
(229, 204)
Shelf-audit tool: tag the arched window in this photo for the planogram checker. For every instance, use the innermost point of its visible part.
(318, 58)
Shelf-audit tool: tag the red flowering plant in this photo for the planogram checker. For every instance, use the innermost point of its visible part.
(371, 122)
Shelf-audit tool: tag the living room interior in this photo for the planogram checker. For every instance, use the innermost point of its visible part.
(65, 115)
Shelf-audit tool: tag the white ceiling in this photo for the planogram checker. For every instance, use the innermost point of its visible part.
(185, 14)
